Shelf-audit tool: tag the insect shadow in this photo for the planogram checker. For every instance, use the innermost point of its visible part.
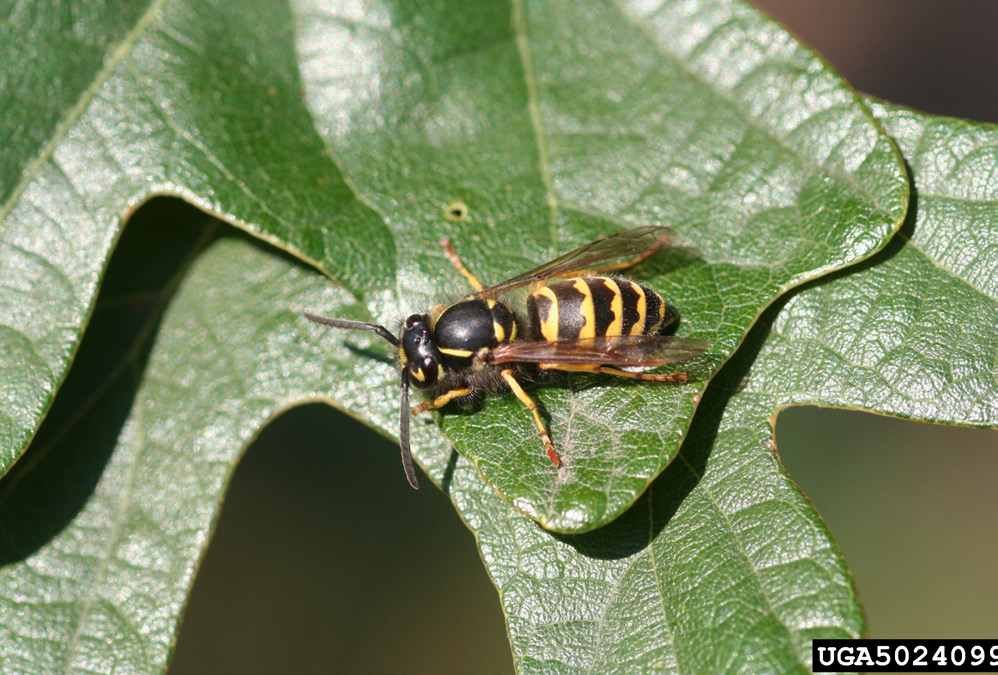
(372, 354)
(629, 534)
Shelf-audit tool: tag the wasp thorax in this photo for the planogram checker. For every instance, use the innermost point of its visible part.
(422, 360)
(466, 326)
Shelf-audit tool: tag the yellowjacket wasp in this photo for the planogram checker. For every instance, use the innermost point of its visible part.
(574, 319)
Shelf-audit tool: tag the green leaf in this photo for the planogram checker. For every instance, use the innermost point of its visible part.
(51, 55)
(733, 549)
(770, 189)
(94, 577)
(723, 563)
(556, 124)
(194, 100)
(910, 333)
(104, 520)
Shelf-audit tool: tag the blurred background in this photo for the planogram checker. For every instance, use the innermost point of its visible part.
(324, 559)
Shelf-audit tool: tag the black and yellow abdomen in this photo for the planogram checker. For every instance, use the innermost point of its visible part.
(588, 307)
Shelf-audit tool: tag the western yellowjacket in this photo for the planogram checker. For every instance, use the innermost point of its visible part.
(574, 319)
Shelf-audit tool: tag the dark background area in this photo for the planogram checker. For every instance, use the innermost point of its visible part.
(325, 560)
(938, 57)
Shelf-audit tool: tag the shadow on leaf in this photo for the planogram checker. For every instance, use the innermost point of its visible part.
(652, 512)
(61, 470)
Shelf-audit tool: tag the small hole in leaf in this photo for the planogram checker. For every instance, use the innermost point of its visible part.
(456, 212)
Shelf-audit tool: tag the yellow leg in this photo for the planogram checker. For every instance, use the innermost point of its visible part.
(456, 262)
(441, 401)
(525, 399)
(653, 377)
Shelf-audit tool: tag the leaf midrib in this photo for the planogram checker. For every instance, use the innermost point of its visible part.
(533, 107)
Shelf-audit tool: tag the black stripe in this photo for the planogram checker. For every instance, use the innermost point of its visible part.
(670, 318)
(603, 297)
(654, 303)
(629, 303)
(570, 319)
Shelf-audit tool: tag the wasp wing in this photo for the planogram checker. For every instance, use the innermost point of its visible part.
(603, 255)
(635, 351)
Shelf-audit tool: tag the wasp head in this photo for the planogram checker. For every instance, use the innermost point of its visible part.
(420, 357)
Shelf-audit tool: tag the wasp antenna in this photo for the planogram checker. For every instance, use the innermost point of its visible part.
(410, 473)
(353, 325)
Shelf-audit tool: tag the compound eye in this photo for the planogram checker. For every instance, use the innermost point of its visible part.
(413, 320)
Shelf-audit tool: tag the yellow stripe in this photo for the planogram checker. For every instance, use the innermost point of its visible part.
(499, 331)
(586, 309)
(456, 353)
(639, 326)
(549, 326)
(616, 308)
(512, 333)
(435, 314)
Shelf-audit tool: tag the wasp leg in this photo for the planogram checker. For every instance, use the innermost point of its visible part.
(456, 262)
(653, 377)
(441, 401)
(525, 399)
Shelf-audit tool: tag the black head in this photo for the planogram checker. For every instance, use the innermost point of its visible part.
(420, 358)
(347, 324)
